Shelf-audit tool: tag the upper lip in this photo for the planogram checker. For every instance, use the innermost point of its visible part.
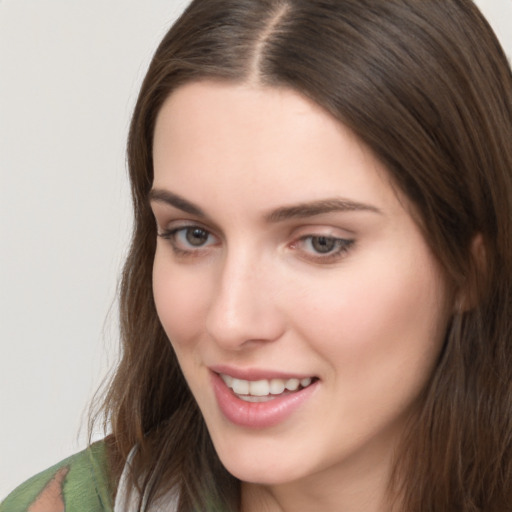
(254, 374)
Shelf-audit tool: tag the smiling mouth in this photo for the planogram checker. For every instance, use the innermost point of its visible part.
(265, 389)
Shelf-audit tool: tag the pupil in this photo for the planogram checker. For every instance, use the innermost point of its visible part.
(196, 236)
(323, 244)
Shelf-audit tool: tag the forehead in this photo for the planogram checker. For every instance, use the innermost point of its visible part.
(264, 146)
(261, 117)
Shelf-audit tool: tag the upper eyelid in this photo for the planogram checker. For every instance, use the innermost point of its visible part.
(177, 224)
(163, 219)
(322, 235)
(327, 230)
(173, 224)
(296, 233)
(176, 229)
(347, 241)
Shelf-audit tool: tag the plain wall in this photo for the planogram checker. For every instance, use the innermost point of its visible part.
(69, 76)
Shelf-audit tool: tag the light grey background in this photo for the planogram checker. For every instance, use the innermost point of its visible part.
(69, 75)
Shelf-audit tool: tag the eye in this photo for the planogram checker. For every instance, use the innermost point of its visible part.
(322, 248)
(322, 244)
(188, 239)
(196, 237)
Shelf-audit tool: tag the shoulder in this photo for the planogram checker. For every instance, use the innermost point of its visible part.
(78, 483)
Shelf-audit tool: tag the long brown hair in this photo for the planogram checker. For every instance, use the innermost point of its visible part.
(425, 85)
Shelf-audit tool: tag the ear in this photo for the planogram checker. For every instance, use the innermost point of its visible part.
(469, 295)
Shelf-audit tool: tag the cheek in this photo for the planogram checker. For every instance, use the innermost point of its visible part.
(179, 299)
(380, 323)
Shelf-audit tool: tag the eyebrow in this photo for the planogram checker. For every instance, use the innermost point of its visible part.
(313, 208)
(301, 210)
(164, 196)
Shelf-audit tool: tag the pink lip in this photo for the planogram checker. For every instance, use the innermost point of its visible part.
(255, 373)
(258, 414)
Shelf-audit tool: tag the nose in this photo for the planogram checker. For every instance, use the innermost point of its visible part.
(244, 310)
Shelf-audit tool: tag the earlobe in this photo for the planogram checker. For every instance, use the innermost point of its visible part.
(470, 294)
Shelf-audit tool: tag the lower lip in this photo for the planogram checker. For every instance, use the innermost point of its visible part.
(258, 414)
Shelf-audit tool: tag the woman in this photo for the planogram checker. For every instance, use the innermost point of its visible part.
(316, 308)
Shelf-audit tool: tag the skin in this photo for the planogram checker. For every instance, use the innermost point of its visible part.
(367, 319)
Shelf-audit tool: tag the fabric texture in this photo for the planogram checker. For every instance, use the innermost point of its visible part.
(79, 483)
(128, 497)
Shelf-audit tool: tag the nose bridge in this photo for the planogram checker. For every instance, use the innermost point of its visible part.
(242, 307)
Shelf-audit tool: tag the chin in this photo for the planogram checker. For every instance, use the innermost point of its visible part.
(266, 469)
(263, 475)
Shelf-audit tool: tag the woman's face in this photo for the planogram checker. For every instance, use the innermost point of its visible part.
(304, 305)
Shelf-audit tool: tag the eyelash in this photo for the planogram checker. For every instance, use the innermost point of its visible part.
(341, 246)
(172, 234)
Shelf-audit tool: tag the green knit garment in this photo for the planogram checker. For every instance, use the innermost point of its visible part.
(79, 483)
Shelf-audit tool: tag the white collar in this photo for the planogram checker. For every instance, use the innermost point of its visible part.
(128, 497)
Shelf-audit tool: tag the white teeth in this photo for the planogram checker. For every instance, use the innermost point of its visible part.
(259, 388)
(240, 387)
(250, 398)
(305, 382)
(292, 384)
(277, 386)
(228, 380)
(264, 387)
